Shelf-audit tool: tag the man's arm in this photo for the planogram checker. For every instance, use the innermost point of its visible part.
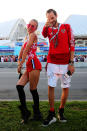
(45, 29)
(72, 49)
(72, 56)
(71, 67)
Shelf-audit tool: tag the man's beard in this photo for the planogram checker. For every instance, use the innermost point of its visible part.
(54, 23)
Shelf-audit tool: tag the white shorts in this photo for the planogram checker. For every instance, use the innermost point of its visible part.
(55, 72)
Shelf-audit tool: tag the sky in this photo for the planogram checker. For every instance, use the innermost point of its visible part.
(29, 9)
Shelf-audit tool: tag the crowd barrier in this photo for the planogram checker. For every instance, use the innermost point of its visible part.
(14, 64)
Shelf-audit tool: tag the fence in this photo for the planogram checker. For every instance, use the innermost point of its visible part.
(14, 64)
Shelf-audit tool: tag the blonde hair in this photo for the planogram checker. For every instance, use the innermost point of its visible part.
(35, 21)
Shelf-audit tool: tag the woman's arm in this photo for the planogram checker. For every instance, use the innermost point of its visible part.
(20, 55)
(32, 39)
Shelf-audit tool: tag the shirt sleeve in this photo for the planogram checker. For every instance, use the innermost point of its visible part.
(71, 38)
(45, 32)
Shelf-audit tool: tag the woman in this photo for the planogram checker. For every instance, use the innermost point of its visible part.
(31, 74)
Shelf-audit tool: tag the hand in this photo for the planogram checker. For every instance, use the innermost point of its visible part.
(48, 24)
(19, 68)
(71, 68)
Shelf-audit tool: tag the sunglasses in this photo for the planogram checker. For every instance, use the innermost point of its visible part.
(30, 26)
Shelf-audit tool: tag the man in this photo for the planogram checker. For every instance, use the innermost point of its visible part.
(60, 60)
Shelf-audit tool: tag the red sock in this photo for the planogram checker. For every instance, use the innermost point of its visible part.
(52, 109)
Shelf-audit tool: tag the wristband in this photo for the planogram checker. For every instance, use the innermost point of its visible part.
(19, 64)
(71, 62)
(20, 59)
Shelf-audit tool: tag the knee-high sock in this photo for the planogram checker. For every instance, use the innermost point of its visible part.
(35, 97)
(21, 95)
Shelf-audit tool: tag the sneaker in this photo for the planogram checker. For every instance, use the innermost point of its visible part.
(25, 114)
(50, 119)
(61, 116)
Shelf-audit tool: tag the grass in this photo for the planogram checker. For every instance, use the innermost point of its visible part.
(76, 113)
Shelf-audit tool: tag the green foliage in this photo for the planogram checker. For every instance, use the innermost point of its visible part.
(76, 113)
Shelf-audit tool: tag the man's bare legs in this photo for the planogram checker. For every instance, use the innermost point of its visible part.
(64, 97)
(51, 115)
(51, 96)
(62, 104)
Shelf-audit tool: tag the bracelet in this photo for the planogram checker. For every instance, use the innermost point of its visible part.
(20, 59)
(19, 64)
(71, 62)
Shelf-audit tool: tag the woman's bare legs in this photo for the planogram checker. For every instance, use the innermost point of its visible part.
(20, 88)
(24, 79)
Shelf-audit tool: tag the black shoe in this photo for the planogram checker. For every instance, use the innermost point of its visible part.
(61, 116)
(50, 119)
(37, 116)
(25, 114)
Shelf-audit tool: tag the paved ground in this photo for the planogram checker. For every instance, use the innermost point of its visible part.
(9, 77)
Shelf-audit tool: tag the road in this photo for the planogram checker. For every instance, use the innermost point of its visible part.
(9, 77)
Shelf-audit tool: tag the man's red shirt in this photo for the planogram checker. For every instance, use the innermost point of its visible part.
(66, 43)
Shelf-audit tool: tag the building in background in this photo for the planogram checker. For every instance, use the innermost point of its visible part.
(14, 30)
(79, 27)
(12, 33)
(43, 43)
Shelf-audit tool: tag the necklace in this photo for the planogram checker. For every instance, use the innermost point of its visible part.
(56, 35)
